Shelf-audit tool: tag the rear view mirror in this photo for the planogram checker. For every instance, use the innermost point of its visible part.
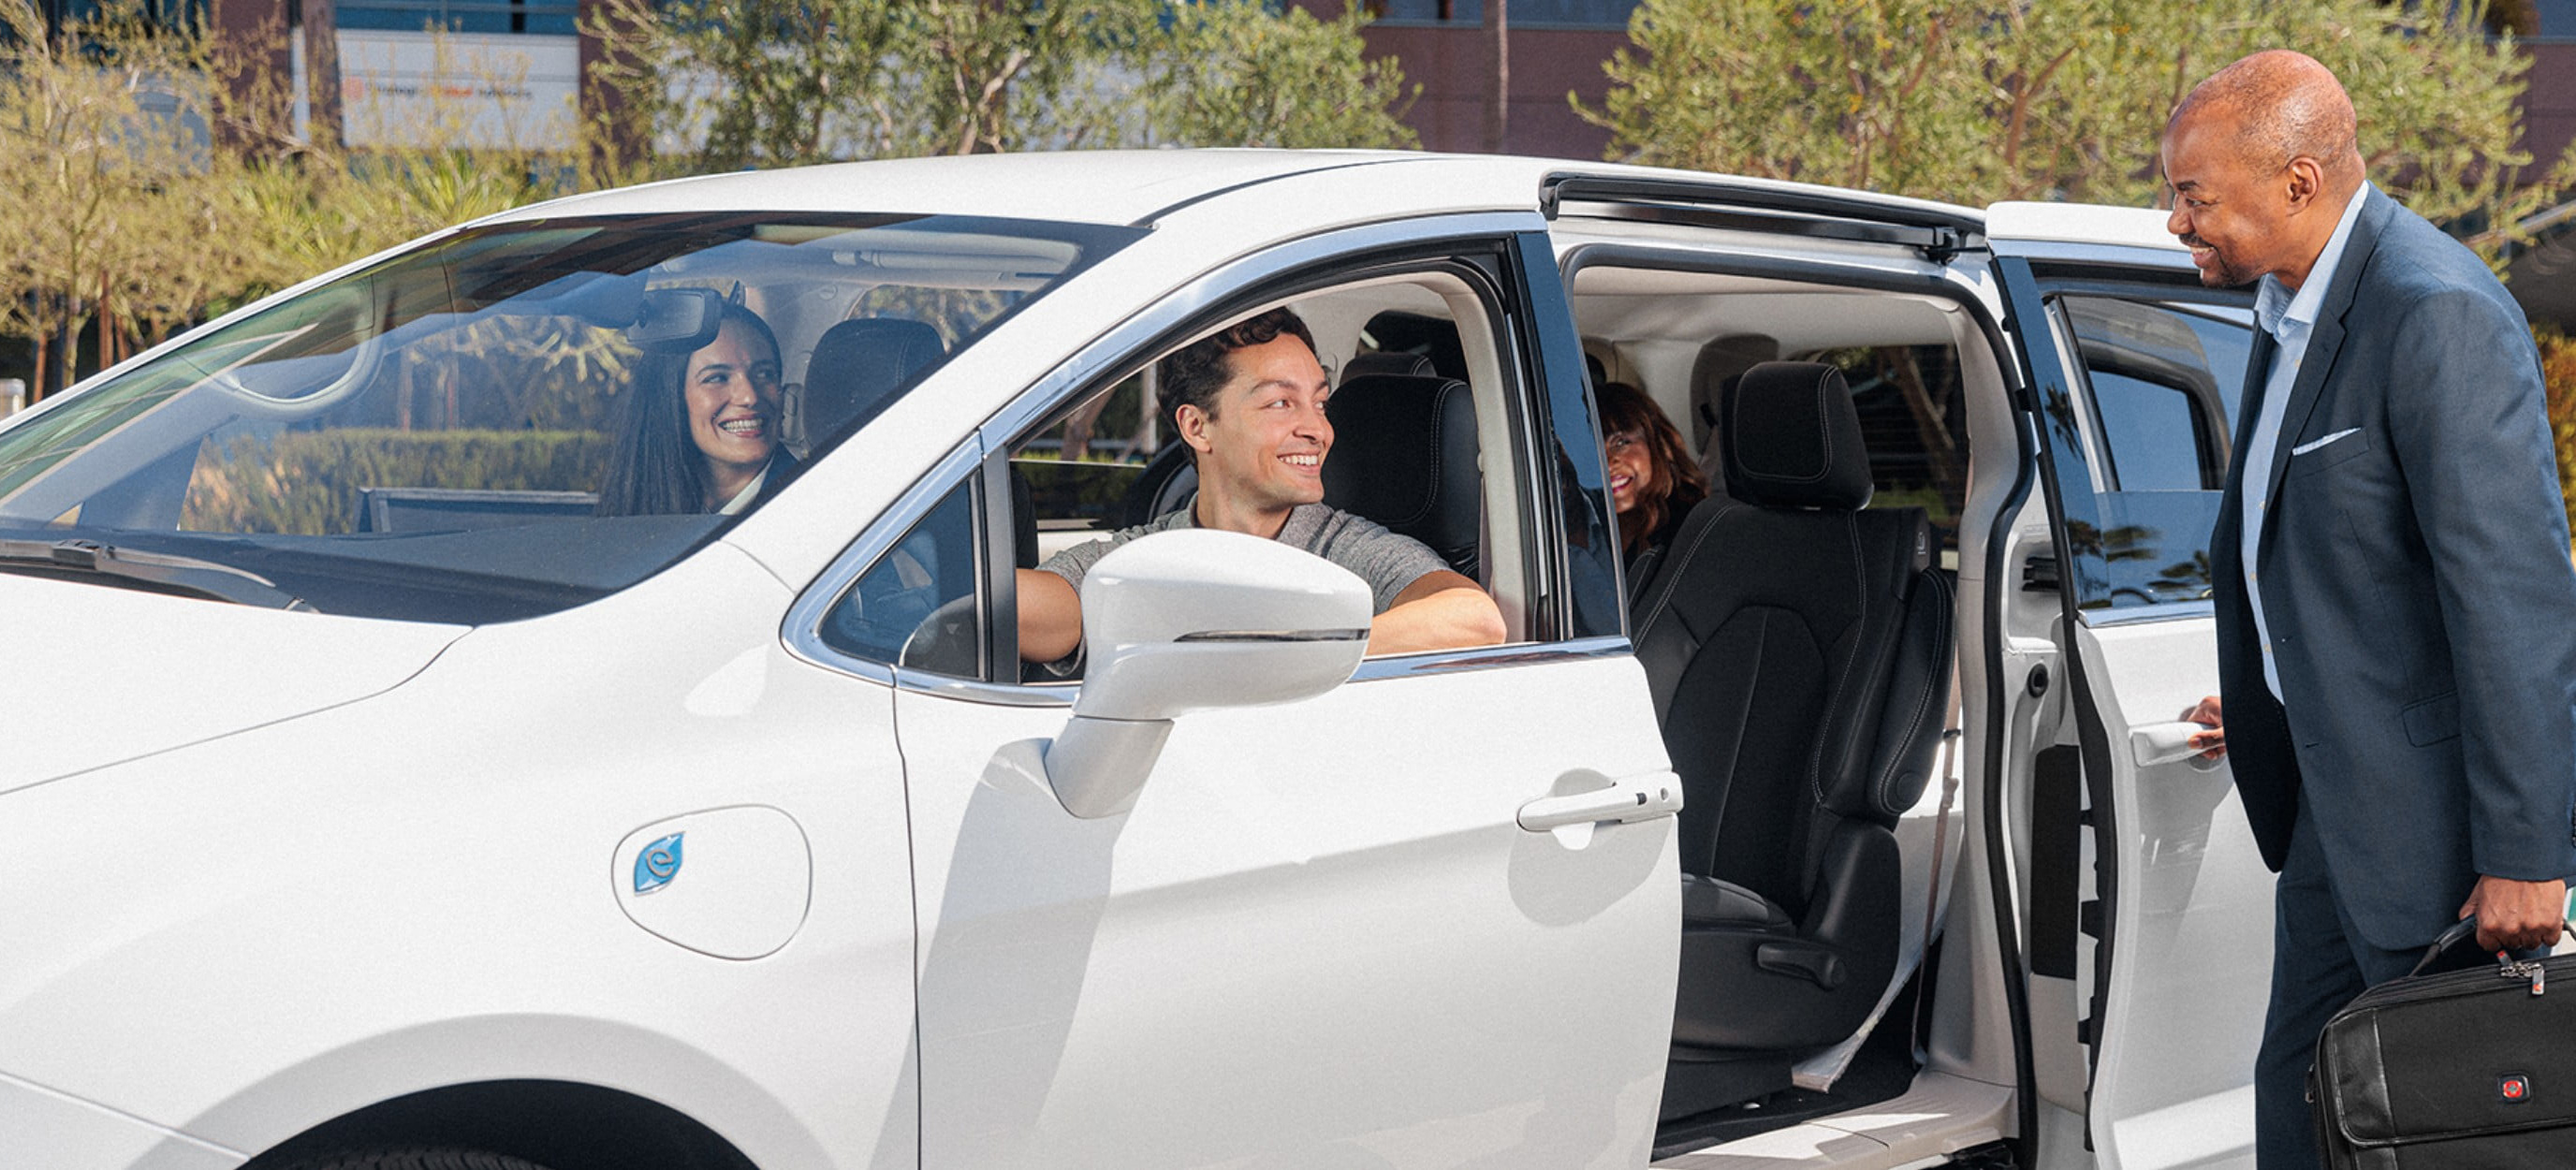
(665, 320)
(677, 320)
(1191, 620)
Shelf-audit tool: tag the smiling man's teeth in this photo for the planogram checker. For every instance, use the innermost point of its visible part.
(1304, 460)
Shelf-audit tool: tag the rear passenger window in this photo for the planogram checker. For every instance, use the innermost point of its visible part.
(2164, 381)
(1914, 419)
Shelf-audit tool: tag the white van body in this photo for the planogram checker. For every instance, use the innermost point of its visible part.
(666, 879)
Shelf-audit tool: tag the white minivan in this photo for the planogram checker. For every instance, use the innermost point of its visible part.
(397, 778)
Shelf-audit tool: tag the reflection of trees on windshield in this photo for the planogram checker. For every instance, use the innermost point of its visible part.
(501, 403)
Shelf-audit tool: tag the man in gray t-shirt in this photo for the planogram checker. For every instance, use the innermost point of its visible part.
(1249, 400)
(1388, 561)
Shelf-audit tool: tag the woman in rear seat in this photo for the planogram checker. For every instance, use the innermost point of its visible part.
(1653, 482)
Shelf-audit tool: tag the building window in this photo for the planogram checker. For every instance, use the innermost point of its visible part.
(1601, 14)
(556, 17)
(2557, 19)
(166, 13)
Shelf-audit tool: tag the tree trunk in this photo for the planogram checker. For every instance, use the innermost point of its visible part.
(66, 354)
(322, 70)
(1498, 114)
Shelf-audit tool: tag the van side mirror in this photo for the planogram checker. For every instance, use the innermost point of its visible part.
(1192, 620)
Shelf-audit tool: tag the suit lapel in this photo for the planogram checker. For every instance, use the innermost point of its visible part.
(2325, 344)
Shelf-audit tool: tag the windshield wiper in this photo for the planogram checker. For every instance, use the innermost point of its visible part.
(149, 571)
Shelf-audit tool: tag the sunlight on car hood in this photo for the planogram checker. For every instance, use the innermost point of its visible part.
(98, 674)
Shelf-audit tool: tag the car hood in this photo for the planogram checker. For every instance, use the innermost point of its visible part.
(97, 674)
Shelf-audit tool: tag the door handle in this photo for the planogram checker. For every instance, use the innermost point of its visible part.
(2168, 743)
(1638, 798)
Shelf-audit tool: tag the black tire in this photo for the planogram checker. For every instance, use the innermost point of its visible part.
(411, 1158)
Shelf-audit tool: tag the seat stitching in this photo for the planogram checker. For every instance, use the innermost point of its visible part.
(1743, 724)
(1833, 702)
(1922, 698)
(1673, 564)
(1824, 429)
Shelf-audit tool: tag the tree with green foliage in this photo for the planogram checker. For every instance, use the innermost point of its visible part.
(726, 84)
(1975, 101)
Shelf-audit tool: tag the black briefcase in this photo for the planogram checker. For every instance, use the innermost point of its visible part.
(2463, 1069)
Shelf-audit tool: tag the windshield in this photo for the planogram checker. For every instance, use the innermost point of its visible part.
(511, 420)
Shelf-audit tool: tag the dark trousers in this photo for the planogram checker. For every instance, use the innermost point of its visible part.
(2320, 962)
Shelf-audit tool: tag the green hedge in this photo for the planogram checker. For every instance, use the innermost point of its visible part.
(306, 483)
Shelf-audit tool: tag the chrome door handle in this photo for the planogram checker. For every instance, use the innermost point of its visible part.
(1638, 798)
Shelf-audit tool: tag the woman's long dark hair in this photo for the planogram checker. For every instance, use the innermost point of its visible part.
(656, 467)
(1678, 482)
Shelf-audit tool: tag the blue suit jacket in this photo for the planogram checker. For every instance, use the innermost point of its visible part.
(2416, 582)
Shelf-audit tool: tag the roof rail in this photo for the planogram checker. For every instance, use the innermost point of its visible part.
(1938, 232)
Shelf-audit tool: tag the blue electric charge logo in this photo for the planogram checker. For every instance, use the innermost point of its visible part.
(658, 864)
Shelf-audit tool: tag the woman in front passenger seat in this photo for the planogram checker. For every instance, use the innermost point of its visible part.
(1653, 482)
(700, 432)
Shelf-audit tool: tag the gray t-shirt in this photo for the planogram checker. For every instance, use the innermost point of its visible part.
(1388, 561)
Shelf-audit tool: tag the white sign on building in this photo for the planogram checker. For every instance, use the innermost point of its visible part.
(515, 91)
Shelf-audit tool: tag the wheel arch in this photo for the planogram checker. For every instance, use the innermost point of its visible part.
(604, 1095)
(561, 1125)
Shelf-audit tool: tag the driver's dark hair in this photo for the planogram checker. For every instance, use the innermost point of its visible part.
(1194, 373)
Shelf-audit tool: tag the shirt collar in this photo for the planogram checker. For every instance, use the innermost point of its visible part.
(2274, 305)
(750, 491)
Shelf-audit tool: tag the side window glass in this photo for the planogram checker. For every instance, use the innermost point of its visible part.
(1085, 475)
(1411, 404)
(916, 606)
(1914, 420)
(2164, 381)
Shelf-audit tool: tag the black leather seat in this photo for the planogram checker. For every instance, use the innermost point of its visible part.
(1363, 365)
(1404, 454)
(1168, 478)
(857, 369)
(1798, 650)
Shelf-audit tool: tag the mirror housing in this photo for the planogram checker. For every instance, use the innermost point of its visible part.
(677, 320)
(1191, 620)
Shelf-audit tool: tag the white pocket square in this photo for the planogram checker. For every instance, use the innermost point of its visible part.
(2313, 444)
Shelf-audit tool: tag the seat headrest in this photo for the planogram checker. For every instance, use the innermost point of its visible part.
(1793, 440)
(1720, 363)
(1363, 365)
(1404, 455)
(858, 366)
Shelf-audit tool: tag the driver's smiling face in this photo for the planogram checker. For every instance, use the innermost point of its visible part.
(1268, 435)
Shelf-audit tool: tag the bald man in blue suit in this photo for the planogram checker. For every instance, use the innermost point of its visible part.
(2395, 608)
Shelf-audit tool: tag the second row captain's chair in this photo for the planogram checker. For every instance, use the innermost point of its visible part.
(1798, 650)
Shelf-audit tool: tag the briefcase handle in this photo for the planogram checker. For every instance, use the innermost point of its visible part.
(2460, 931)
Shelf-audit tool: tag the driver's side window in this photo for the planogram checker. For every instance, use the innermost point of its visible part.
(918, 607)
(1389, 411)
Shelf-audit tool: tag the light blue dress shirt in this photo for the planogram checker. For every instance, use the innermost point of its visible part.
(2290, 319)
